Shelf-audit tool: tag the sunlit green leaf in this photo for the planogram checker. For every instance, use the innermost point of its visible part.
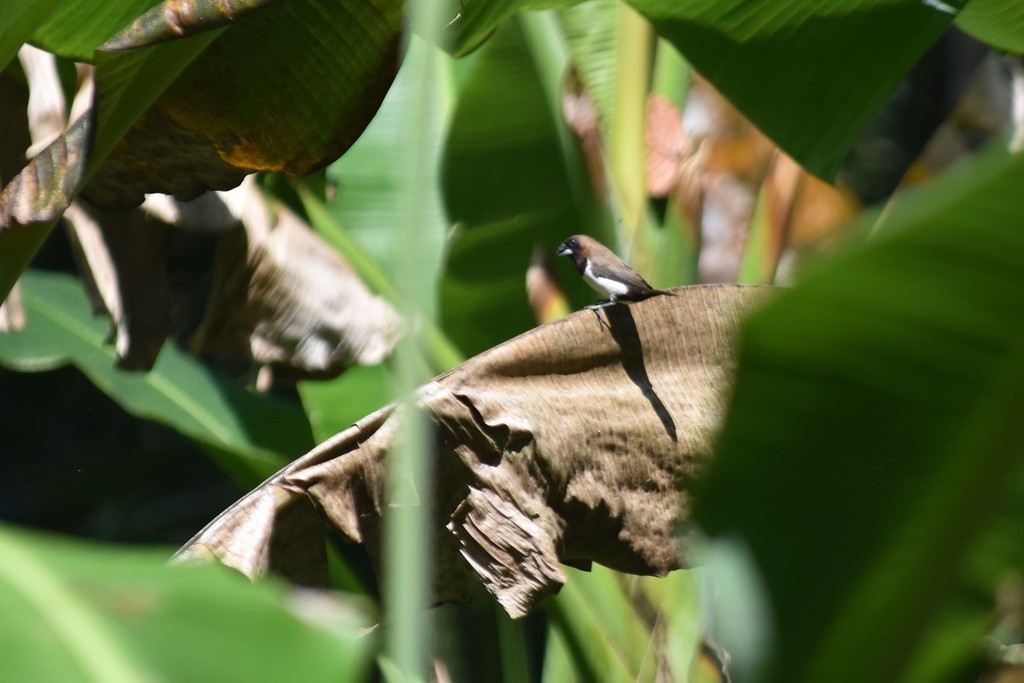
(591, 33)
(367, 177)
(996, 22)
(335, 405)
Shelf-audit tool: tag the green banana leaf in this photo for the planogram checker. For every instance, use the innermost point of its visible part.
(250, 435)
(875, 431)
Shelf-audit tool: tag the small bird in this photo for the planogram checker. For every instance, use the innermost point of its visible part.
(605, 272)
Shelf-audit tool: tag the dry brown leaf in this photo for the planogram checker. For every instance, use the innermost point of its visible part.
(123, 261)
(673, 157)
(286, 300)
(667, 147)
(581, 116)
(818, 210)
(126, 259)
(735, 145)
(543, 289)
(572, 443)
(47, 110)
(12, 311)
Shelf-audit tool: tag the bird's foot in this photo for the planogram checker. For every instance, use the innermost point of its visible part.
(596, 308)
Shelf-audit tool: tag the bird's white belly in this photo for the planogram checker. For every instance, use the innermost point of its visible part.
(606, 286)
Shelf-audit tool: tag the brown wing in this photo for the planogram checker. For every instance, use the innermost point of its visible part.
(639, 288)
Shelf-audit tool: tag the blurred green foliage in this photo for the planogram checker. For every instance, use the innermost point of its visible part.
(866, 476)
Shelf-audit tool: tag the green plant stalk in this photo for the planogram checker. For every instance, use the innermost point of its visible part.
(760, 260)
(676, 242)
(676, 255)
(558, 662)
(441, 353)
(408, 557)
(577, 650)
(595, 604)
(676, 598)
(671, 74)
(753, 269)
(512, 648)
(627, 147)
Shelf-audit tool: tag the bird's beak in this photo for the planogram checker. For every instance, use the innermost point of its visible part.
(563, 251)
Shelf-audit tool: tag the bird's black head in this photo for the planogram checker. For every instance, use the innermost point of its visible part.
(569, 247)
(578, 247)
